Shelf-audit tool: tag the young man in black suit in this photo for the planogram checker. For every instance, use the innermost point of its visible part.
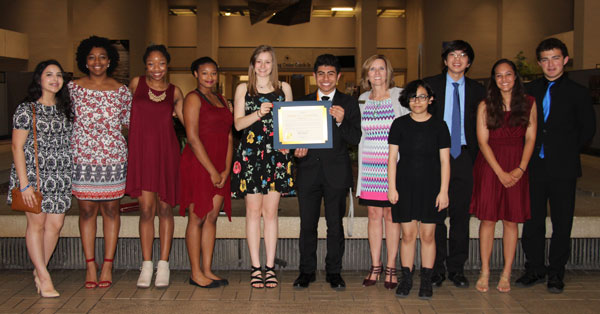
(456, 101)
(566, 122)
(326, 174)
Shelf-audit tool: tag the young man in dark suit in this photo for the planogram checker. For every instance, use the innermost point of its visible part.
(326, 174)
(456, 101)
(566, 122)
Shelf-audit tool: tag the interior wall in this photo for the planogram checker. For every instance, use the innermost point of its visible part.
(474, 21)
(526, 23)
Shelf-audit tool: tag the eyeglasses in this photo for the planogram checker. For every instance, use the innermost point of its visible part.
(457, 55)
(420, 98)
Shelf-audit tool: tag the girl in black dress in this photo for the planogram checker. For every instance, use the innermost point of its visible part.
(418, 181)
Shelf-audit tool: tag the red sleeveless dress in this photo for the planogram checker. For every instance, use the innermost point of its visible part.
(491, 200)
(153, 161)
(214, 125)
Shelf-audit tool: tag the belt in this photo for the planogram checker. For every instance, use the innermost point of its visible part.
(464, 147)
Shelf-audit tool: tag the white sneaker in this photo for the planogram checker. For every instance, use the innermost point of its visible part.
(162, 274)
(145, 278)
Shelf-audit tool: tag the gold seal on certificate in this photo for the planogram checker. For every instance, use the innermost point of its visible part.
(302, 124)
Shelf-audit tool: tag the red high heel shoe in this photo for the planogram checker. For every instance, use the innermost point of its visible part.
(391, 272)
(105, 283)
(91, 284)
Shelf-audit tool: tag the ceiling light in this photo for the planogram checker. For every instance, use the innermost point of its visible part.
(227, 13)
(345, 9)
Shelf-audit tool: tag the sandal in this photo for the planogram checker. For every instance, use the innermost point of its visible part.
(256, 280)
(105, 283)
(91, 284)
(391, 272)
(482, 284)
(270, 277)
(504, 283)
(375, 270)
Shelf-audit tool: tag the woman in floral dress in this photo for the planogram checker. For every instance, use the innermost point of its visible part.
(260, 173)
(101, 105)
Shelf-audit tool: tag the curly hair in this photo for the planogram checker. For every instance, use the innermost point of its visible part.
(94, 41)
(494, 105)
(34, 92)
(411, 91)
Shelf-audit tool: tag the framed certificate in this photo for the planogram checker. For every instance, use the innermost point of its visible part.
(302, 124)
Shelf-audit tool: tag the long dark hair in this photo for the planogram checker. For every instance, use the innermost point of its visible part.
(34, 92)
(494, 106)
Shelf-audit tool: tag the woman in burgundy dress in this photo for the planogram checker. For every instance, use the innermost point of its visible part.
(153, 162)
(204, 171)
(506, 126)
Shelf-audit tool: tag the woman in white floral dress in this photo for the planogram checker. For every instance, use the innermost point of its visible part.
(101, 106)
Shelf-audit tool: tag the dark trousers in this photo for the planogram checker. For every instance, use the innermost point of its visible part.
(309, 199)
(561, 194)
(459, 194)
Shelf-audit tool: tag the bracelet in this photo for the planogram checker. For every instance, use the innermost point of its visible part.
(258, 114)
(521, 169)
(25, 188)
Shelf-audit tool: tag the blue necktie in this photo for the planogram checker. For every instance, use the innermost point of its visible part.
(546, 108)
(456, 125)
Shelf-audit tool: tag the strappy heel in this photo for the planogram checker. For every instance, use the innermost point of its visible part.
(271, 277)
(255, 280)
(504, 283)
(91, 284)
(391, 273)
(482, 284)
(106, 283)
(375, 270)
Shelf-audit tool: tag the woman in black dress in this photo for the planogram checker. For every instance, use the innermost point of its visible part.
(418, 181)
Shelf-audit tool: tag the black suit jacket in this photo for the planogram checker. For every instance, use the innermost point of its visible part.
(474, 93)
(570, 125)
(333, 163)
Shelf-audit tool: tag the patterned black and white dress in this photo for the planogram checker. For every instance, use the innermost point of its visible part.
(54, 155)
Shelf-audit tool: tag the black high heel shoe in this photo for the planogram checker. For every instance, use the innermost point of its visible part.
(271, 277)
(255, 280)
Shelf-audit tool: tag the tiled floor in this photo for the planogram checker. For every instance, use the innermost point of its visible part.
(17, 295)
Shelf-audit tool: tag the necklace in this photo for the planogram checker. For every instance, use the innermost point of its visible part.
(158, 98)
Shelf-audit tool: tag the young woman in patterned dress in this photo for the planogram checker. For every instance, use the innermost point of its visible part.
(101, 105)
(53, 124)
(379, 106)
(260, 173)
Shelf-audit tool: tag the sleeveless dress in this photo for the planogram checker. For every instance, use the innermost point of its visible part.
(99, 147)
(153, 163)
(54, 155)
(491, 200)
(418, 173)
(257, 167)
(214, 125)
(376, 120)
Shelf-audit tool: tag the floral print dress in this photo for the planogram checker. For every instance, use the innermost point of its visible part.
(257, 167)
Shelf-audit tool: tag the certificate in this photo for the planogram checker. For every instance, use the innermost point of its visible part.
(302, 124)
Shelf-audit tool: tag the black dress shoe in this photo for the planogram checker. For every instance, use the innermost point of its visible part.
(459, 280)
(304, 280)
(529, 279)
(555, 284)
(213, 284)
(336, 281)
(437, 279)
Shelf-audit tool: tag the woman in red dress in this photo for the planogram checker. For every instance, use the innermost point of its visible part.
(204, 170)
(153, 161)
(506, 126)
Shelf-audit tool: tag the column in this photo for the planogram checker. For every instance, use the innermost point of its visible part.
(158, 11)
(208, 28)
(366, 32)
(414, 39)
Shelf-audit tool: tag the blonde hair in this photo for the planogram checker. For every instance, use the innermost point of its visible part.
(274, 77)
(364, 81)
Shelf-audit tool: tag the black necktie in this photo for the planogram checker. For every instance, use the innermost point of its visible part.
(325, 98)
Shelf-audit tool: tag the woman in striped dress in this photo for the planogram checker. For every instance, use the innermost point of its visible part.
(379, 106)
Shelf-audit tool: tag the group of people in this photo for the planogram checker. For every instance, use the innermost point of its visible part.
(442, 146)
